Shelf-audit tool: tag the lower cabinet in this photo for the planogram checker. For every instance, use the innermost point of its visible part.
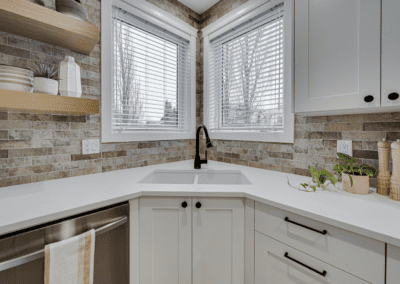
(393, 265)
(277, 263)
(165, 253)
(218, 241)
(165, 231)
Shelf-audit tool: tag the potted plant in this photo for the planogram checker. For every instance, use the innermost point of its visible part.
(46, 80)
(355, 178)
(319, 179)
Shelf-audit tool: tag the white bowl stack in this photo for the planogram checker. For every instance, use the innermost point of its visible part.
(16, 79)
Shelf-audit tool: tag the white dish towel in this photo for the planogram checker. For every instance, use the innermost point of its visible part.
(70, 261)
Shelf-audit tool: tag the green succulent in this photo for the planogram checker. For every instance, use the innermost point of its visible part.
(42, 70)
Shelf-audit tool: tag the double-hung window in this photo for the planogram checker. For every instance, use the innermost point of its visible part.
(248, 74)
(150, 92)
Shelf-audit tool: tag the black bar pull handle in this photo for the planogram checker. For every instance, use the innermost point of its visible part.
(324, 232)
(323, 273)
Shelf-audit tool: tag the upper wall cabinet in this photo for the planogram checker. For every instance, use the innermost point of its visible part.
(390, 53)
(337, 48)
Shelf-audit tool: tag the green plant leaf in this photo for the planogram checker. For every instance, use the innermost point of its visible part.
(346, 158)
(333, 180)
(314, 188)
(351, 180)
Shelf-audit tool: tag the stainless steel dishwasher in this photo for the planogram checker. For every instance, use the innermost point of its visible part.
(22, 254)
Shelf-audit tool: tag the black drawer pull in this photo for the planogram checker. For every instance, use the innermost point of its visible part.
(393, 96)
(368, 99)
(321, 232)
(184, 204)
(323, 273)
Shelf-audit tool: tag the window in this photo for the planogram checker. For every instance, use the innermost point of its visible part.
(247, 96)
(151, 93)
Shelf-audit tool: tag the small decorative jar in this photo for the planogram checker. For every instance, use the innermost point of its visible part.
(70, 78)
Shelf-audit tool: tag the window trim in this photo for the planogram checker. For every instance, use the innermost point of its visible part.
(231, 20)
(159, 17)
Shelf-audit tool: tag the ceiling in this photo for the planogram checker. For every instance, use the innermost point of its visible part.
(199, 6)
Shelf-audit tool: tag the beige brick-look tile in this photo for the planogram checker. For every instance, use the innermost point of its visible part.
(30, 170)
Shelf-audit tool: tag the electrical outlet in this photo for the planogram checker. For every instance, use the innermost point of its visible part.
(85, 147)
(345, 147)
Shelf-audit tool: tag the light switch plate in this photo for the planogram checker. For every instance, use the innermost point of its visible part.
(345, 147)
(94, 146)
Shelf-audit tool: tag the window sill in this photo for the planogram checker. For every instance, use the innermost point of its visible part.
(277, 137)
(146, 136)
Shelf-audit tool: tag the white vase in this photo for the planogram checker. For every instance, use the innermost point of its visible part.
(45, 85)
(70, 78)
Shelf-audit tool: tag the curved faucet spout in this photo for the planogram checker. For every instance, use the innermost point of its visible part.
(209, 144)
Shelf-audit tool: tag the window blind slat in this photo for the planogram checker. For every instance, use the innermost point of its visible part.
(151, 76)
(246, 76)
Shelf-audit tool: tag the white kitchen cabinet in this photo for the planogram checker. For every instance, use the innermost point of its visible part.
(277, 263)
(218, 241)
(354, 253)
(337, 54)
(390, 53)
(393, 265)
(165, 240)
(164, 231)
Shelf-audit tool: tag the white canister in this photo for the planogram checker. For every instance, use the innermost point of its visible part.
(70, 78)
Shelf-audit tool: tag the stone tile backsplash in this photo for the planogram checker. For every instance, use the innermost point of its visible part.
(38, 147)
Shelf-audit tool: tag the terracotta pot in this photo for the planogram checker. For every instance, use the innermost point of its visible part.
(360, 184)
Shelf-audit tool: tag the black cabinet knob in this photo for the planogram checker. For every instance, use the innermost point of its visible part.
(393, 96)
(368, 99)
(184, 204)
(198, 205)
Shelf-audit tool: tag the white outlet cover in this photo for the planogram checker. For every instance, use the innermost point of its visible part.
(345, 147)
(85, 147)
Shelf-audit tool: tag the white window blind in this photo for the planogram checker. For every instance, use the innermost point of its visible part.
(151, 76)
(246, 76)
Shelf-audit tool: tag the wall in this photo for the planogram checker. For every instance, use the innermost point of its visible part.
(315, 137)
(38, 147)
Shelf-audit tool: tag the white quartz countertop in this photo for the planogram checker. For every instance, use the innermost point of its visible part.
(24, 206)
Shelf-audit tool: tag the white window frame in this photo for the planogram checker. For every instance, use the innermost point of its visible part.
(236, 17)
(157, 16)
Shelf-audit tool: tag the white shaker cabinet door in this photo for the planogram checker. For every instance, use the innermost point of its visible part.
(165, 240)
(337, 48)
(390, 53)
(218, 240)
(276, 263)
(393, 265)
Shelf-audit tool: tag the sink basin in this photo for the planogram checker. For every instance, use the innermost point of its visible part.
(195, 177)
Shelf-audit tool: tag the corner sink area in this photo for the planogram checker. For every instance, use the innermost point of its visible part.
(196, 177)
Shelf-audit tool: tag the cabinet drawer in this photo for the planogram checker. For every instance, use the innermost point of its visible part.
(279, 263)
(361, 256)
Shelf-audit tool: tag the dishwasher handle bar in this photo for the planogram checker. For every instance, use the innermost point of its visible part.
(40, 254)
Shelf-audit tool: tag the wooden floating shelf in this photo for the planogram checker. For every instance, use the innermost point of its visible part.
(26, 19)
(44, 103)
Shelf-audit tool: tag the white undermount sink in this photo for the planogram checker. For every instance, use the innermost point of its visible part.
(195, 177)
